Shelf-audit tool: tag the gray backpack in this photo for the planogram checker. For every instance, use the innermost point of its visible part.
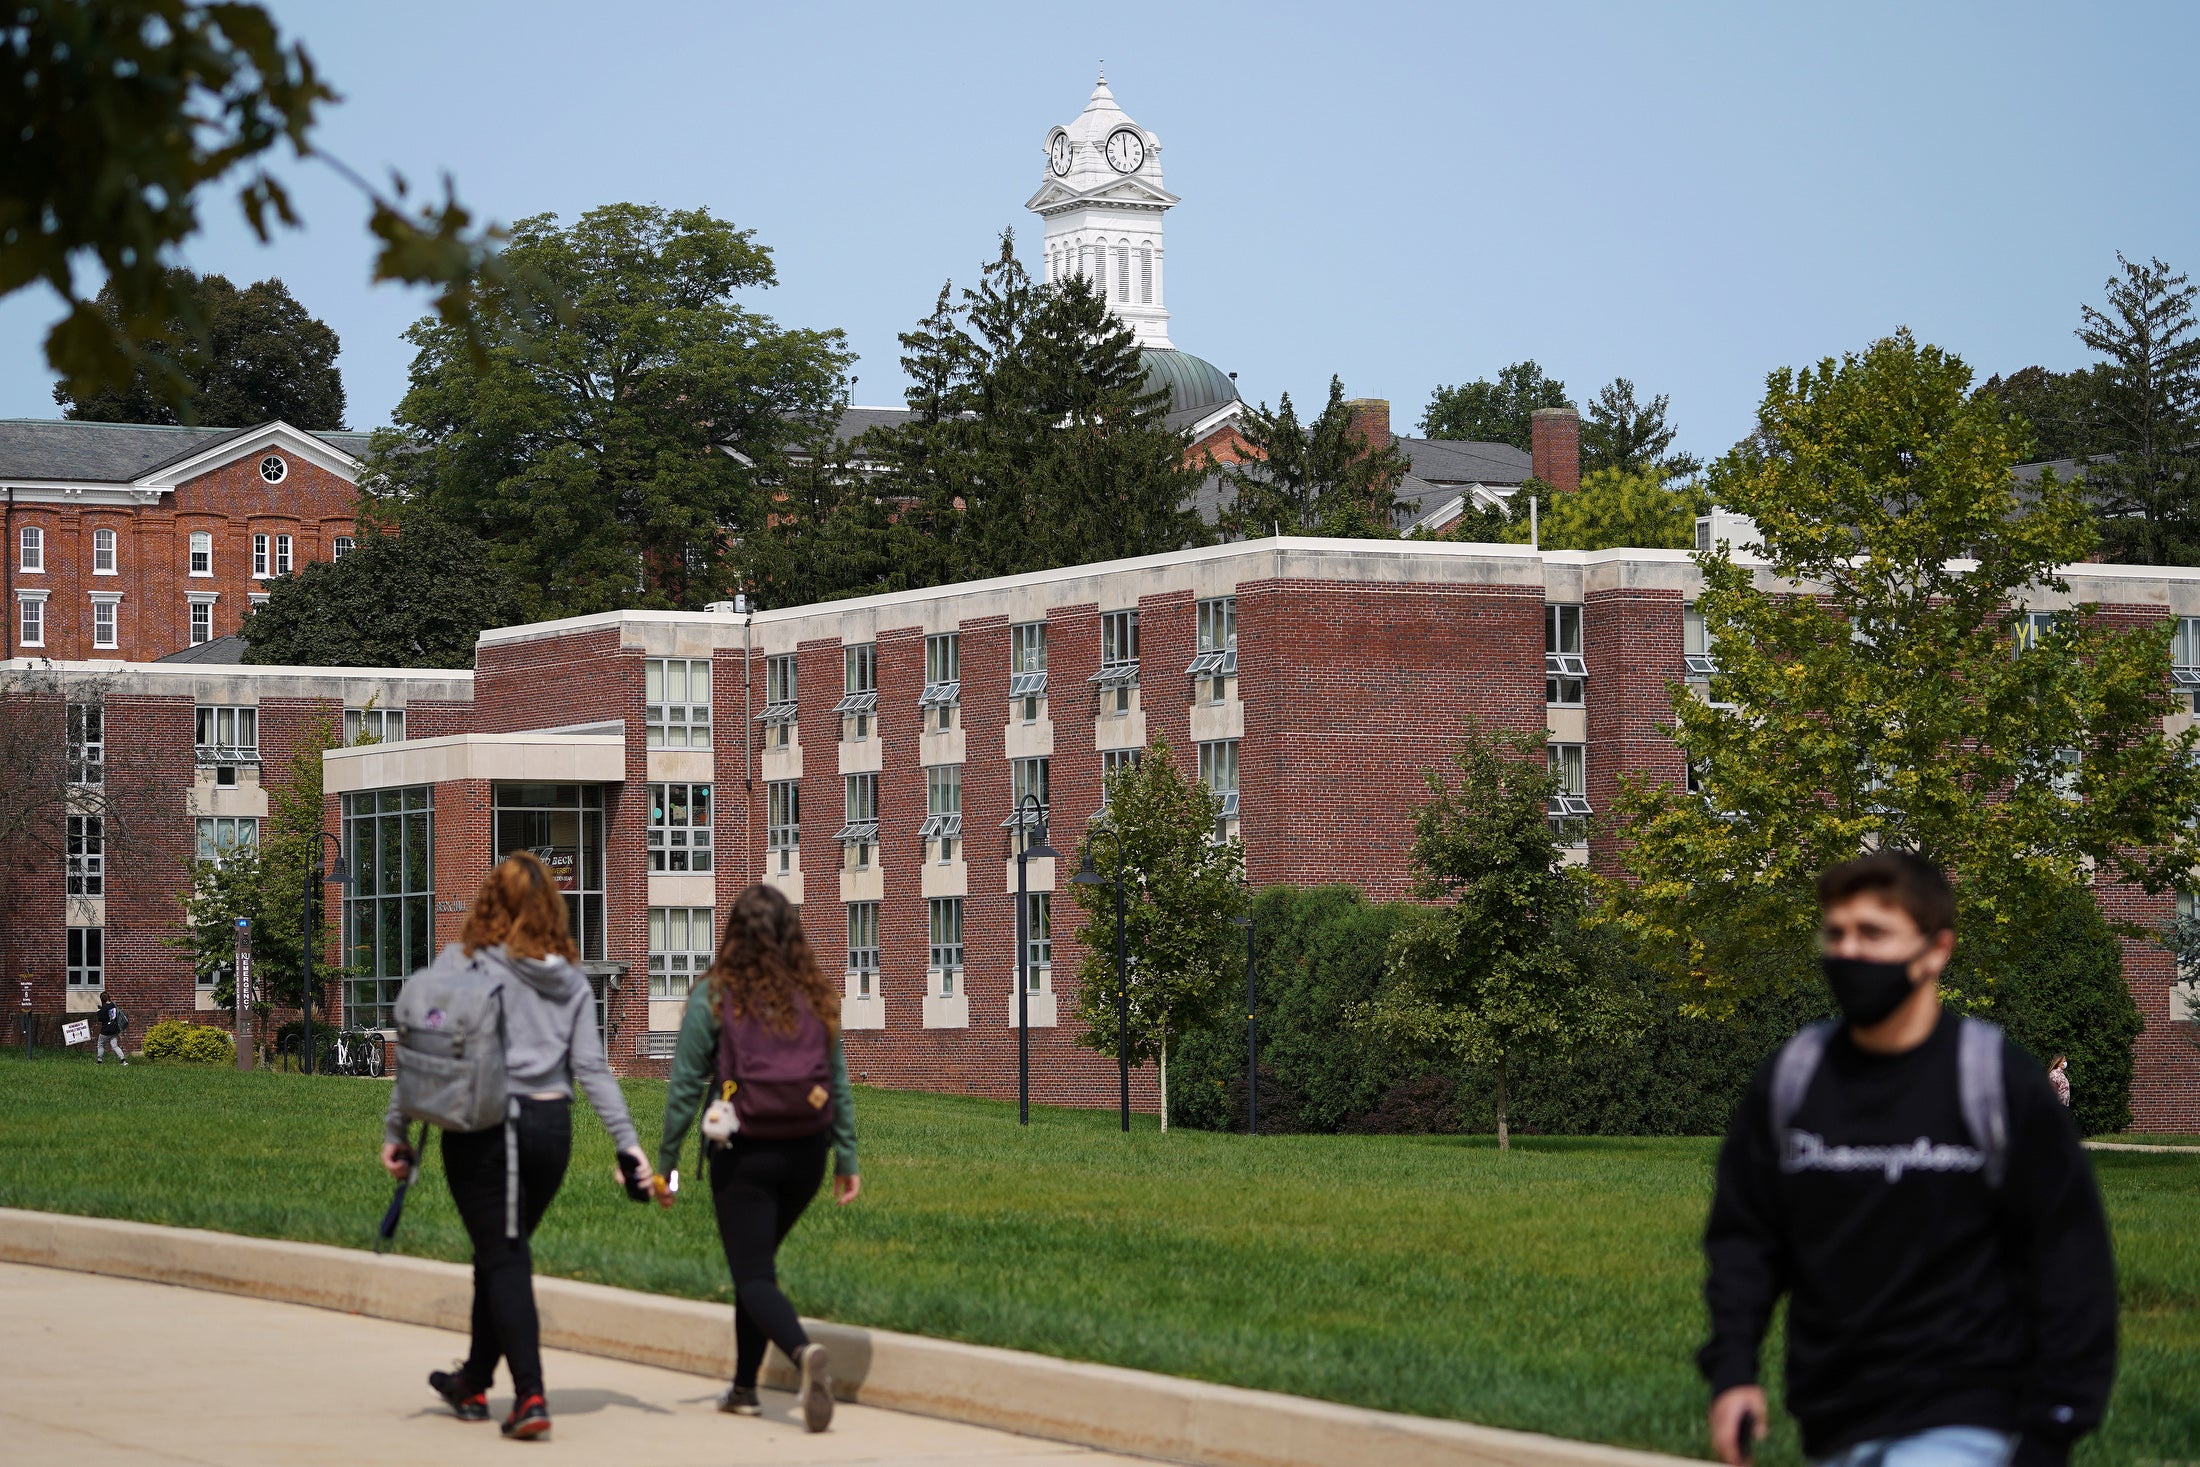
(450, 1045)
(1979, 1084)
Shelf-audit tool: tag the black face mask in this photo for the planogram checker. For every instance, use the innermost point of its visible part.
(1868, 991)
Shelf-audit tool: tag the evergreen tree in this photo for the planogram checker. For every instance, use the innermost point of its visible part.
(2146, 484)
(1631, 438)
(1493, 412)
(2061, 410)
(1317, 478)
(416, 599)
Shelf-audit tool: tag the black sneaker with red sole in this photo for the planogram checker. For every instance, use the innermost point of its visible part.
(530, 1418)
(466, 1403)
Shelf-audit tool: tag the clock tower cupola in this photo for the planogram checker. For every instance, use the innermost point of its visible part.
(1102, 200)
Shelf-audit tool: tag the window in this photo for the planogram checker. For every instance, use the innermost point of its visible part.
(860, 832)
(1569, 807)
(1038, 937)
(344, 546)
(31, 609)
(2031, 626)
(783, 819)
(220, 834)
(87, 958)
(2184, 658)
(202, 623)
(1114, 762)
(943, 803)
(374, 725)
(1218, 770)
(273, 469)
(1696, 645)
(103, 552)
(947, 942)
(87, 744)
(780, 712)
(87, 863)
(1217, 659)
(1563, 668)
(259, 556)
(229, 735)
(1145, 277)
(679, 827)
(1118, 657)
(859, 691)
(563, 825)
(676, 702)
(863, 947)
(33, 541)
(106, 630)
(390, 902)
(202, 553)
(1122, 272)
(1028, 778)
(282, 555)
(942, 676)
(680, 949)
(1027, 675)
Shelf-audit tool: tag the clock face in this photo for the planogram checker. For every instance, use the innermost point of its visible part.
(1126, 150)
(1058, 153)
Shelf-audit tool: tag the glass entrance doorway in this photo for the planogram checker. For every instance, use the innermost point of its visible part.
(563, 825)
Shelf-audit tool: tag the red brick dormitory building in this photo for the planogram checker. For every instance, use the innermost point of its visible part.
(866, 756)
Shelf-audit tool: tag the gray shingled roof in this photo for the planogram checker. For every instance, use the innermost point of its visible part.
(1453, 461)
(229, 651)
(116, 453)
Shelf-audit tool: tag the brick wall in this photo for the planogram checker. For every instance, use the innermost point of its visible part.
(1631, 642)
(1554, 448)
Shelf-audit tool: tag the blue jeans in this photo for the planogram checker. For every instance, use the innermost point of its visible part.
(1942, 1446)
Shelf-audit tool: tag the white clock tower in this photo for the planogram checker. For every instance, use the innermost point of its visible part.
(1102, 201)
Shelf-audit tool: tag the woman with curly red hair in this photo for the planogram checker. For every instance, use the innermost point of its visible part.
(760, 1043)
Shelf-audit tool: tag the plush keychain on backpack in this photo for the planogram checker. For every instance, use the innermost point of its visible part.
(719, 1119)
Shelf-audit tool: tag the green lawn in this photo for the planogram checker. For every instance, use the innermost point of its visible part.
(1553, 1289)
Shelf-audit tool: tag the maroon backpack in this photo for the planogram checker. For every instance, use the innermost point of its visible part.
(783, 1083)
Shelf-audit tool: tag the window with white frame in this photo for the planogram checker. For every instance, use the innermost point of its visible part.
(1569, 807)
(374, 725)
(282, 555)
(87, 744)
(202, 553)
(343, 546)
(1112, 763)
(87, 855)
(1217, 659)
(1038, 938)
(943, 804)
(783, 820)
(2184, 658)
(680, 949)
(202, 622)
(30, 607)
(679, 827)
(1027, 668)
(87, 959)
(259, 557)
(859, 691)
(1118, 672)
(221, 835)
(1218, 770)
(780, 711)
(2031, 628)
(1696, 656)
(942, 676)
(1563, 668)
(860, 831)
(863, 947)
(947, 943)
(676, 702)
(32, 539)
(228, 735)
(1028, 778)
(103, 552)
(106, 619)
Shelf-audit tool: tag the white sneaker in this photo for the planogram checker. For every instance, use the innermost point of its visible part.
(816, 1388)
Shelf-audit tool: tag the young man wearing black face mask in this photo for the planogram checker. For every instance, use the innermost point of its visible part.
(1907, 1177)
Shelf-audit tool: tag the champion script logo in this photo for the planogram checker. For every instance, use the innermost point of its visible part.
(1809, 1153)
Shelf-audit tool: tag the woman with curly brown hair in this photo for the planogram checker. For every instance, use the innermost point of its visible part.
(517, 938)
(760, 1041)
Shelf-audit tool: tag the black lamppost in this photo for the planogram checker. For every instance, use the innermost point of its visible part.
(340, 875)
(1252, 1037)
(1032, 847)
(1087, 876)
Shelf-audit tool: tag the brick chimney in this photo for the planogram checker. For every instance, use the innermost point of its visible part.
(1554, 453)
(1371, 421)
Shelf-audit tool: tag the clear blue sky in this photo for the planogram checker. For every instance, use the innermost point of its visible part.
(1403, 195)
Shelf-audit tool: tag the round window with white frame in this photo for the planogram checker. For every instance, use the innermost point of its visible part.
(273, 469)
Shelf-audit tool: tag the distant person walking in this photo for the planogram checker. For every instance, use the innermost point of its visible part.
(2058, 1075)
(760, 1043)
(1907, 1179)
(517, 938)
(112, 1021)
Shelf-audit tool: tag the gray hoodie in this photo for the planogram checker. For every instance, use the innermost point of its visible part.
(550, 1037)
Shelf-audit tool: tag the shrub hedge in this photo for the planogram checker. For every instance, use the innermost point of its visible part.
(191, 1044)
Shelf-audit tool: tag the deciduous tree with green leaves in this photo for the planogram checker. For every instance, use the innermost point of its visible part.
(417, 599)
(1317, 478)
(1493, 412)
(1488, 974)
(1873, 692)
(1612, 509)
(1185, 889)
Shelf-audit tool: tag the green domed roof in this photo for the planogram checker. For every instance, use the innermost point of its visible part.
(1193, 383)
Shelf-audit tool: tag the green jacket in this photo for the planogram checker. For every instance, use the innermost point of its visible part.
(695, 1066)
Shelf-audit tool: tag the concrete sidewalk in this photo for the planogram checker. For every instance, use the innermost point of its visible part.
(97, 1370)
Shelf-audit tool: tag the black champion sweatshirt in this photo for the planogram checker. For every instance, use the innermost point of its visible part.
(1919, 1296)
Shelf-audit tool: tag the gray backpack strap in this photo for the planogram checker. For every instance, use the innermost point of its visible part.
(1792, 1071)
(1984, 1094)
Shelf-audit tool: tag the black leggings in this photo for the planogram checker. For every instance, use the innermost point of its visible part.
(504, 1268)
(760, 1189)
